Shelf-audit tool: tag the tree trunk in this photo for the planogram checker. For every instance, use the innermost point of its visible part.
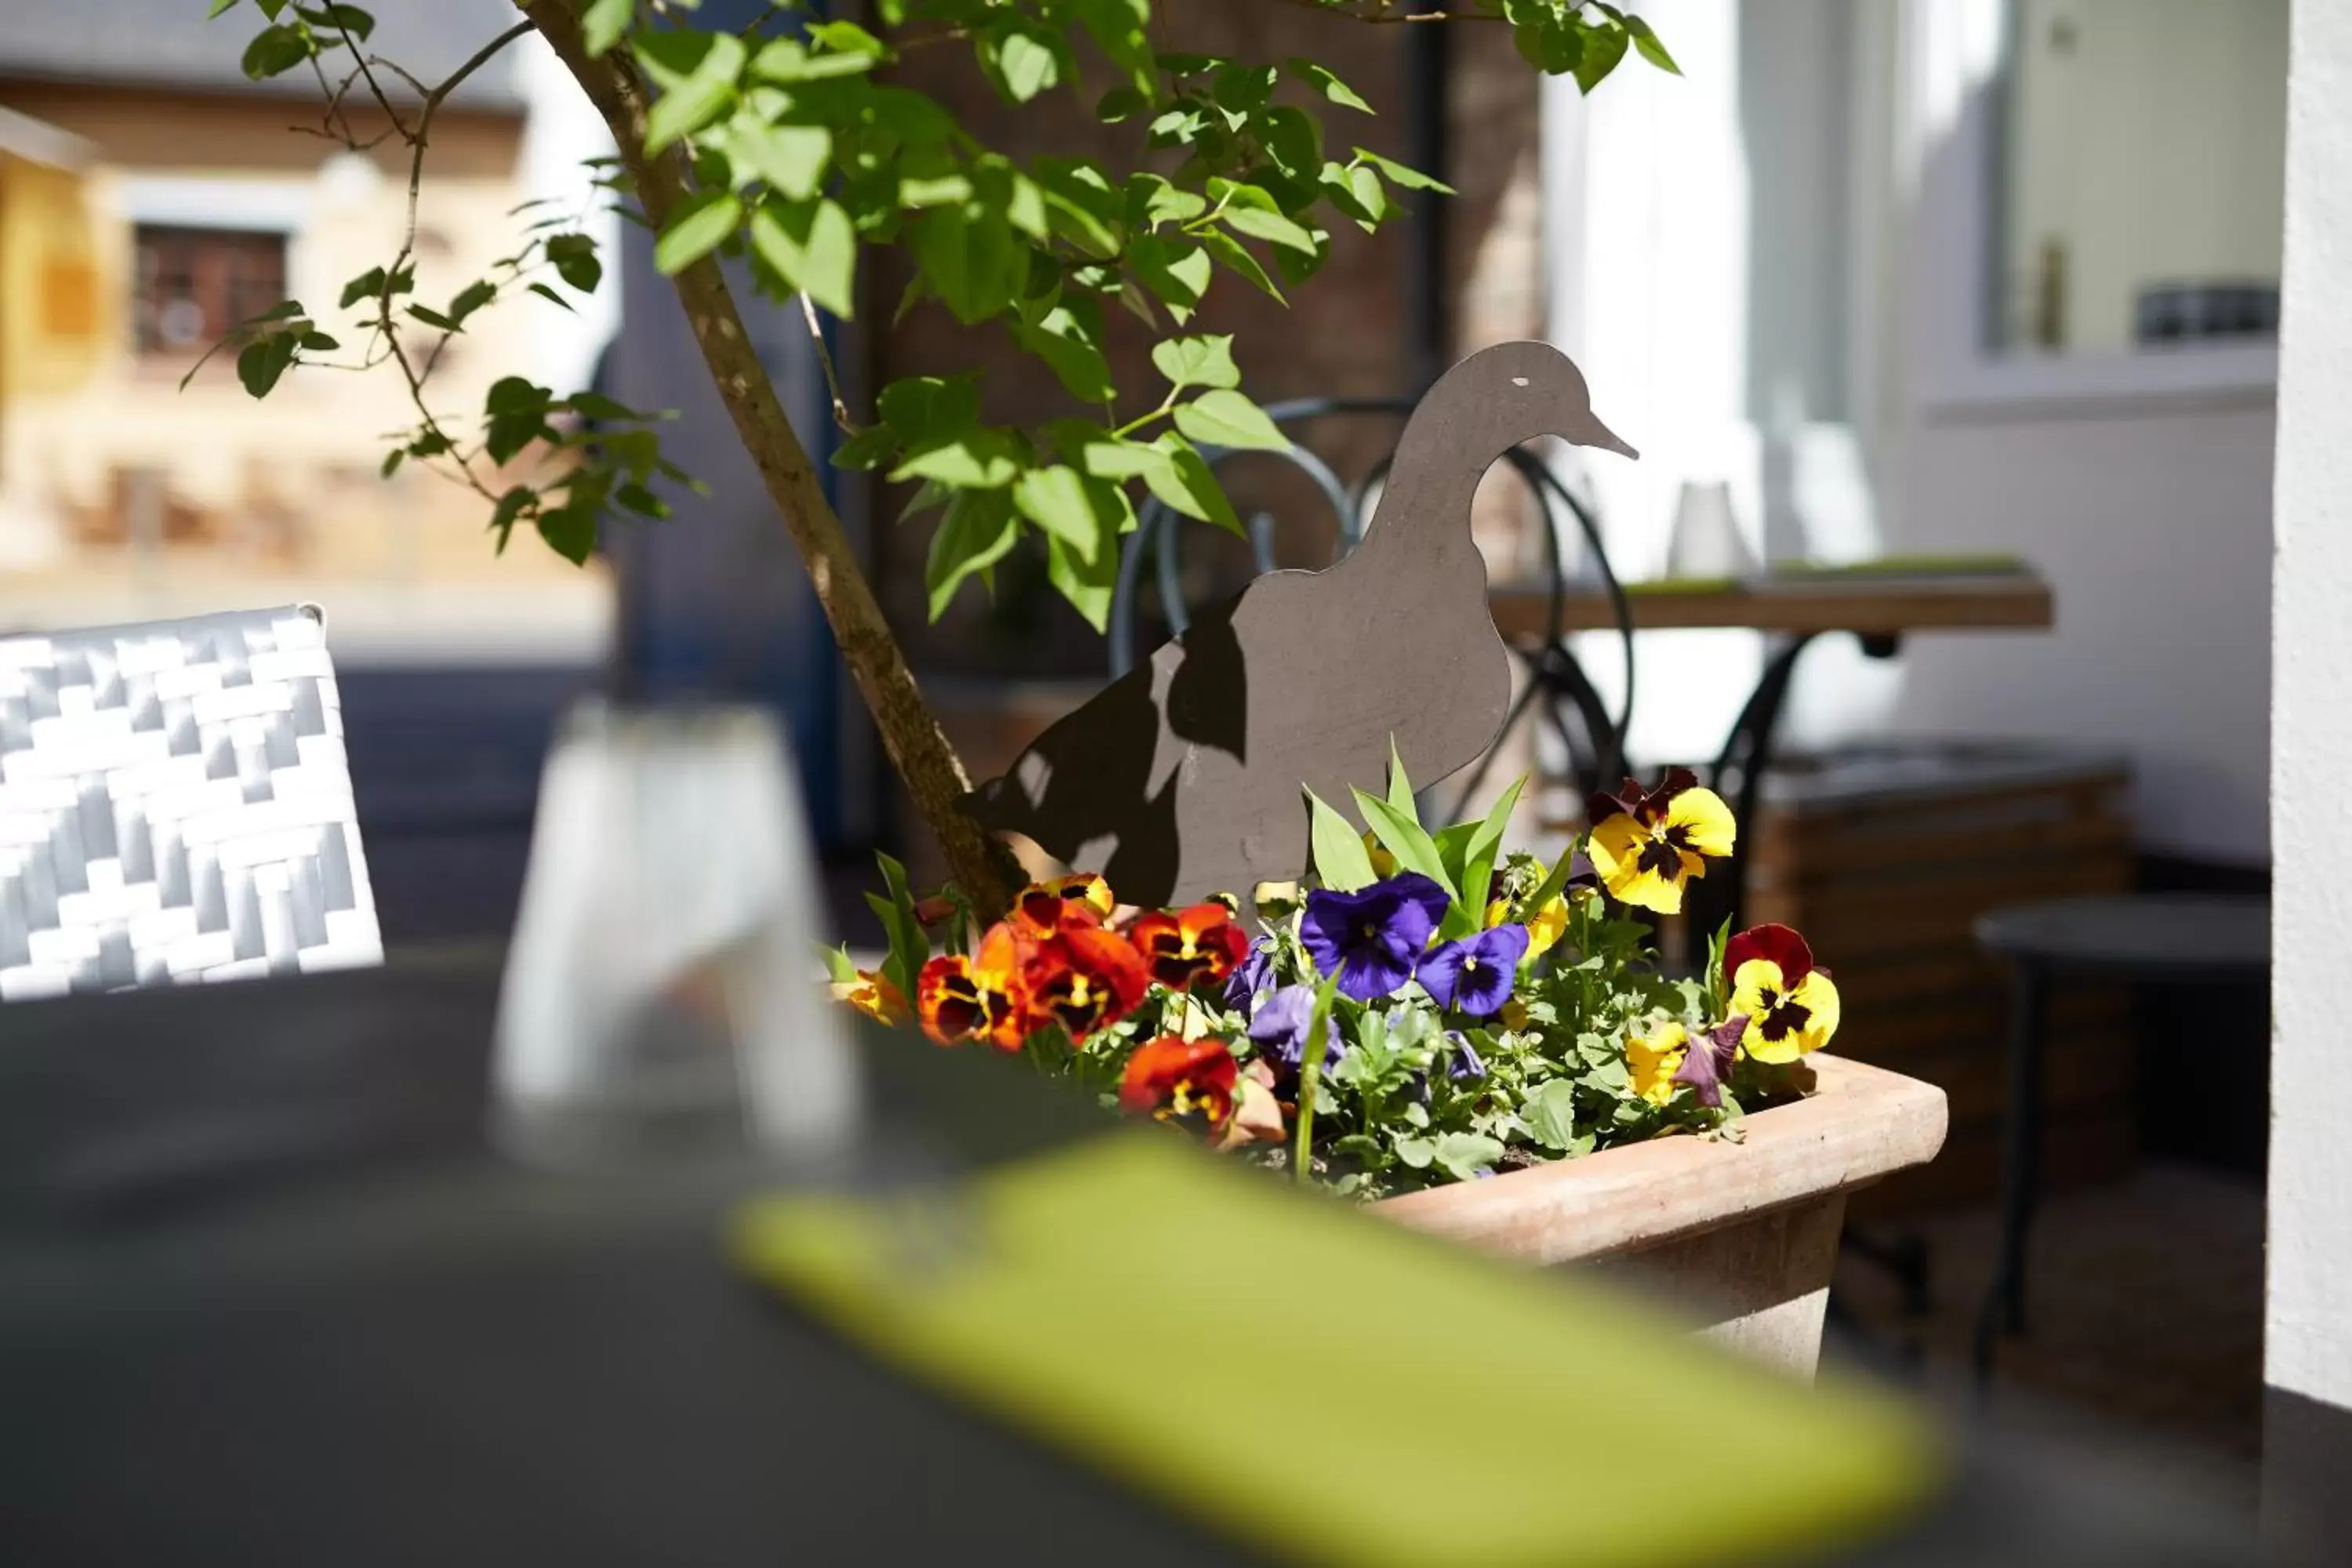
(919, 749)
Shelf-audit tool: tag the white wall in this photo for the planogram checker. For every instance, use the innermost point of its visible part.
(2139, 485)
(2307, 1345)
(2153, 528)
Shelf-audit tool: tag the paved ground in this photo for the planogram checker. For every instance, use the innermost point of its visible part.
(2144, 1323)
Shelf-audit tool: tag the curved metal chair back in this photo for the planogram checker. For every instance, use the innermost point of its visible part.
(1554, 673)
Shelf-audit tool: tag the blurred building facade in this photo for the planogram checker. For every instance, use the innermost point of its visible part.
(150, 198)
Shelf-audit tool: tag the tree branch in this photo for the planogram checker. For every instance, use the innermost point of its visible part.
(919, 748)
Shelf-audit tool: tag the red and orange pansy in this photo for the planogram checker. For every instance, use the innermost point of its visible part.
(1049, 906)
(1186, 1081)
(982, 997)
(1203, 942)
(1081, 977)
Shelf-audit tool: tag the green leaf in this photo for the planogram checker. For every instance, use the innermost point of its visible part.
(1603, 48)
(218, 7)
(1272, 228)
(1400, 793)
(791, 158)
(1197, 362)
(1486, 845)
(1224, 417)
(1024, 66)
(510, 506)
(1087, 585)
(700, 98)
(867, 449)
(1645, 40)
(569, 530)
(1228, 249)
(1176, 272)
(1121, 103)
(1555, 882)
(1191, 486)
(470, 298)
(544, 293)
(786, 60)
(261, 361)
(813, 246)
(969, 258)
(699, 226)
(368, 285)
(1400, 177)
(909, 946)
(1056, 500)
(1341, 859)
(1310, 1076)
(604, 22)
(1119, 29)
(276, 50)
(848, 38)
(1465, 1155)
(1294, 139)
(838, 967)
(1062, 341)
(1405, 838)
(977, 532)
(976, 459)
(927, 408)
(351, 19)
(1549, 1114)
(1322, 79)
(391, 459)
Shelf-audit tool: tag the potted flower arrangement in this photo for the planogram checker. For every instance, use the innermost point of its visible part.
(1470, 1038)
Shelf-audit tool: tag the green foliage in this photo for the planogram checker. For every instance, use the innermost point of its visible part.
(806, 154)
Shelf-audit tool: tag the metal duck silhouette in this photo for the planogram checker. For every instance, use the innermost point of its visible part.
(1183, 777)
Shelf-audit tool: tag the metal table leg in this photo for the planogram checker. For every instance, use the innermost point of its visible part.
(2020, 1164)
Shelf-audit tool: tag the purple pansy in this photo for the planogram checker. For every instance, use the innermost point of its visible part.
(1464, 1065)
(1474, 975)
(1252, 975)
(1709, 1060)
(1373, 937)
(1278, 1030)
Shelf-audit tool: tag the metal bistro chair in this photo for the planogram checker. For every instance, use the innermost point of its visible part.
(175, 805)
(1555, 679)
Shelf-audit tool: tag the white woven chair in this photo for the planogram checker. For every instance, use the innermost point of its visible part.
(175, 805)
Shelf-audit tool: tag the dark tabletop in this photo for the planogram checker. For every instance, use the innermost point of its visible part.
(265, 1299)
(2148, 936)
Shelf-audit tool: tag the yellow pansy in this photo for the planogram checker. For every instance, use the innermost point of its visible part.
(1791, 1006)
(1647, 845)
(1652, 1060)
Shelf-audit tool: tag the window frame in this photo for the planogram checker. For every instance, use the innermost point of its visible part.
(1953, 71)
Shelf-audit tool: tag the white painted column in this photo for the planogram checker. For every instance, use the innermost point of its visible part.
(2308, 1345)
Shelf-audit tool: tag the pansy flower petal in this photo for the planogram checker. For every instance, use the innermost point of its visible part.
(1778, 944)
(1652, 1058)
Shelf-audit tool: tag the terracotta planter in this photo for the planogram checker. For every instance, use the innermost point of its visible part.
(1744, 1234)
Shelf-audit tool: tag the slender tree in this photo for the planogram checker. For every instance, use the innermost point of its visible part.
(786, 143)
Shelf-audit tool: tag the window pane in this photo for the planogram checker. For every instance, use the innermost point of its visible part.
(193, 284)
(2138, 199)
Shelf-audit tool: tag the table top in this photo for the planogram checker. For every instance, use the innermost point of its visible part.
(1870, 604)
(265, 1299)
(2143, 936)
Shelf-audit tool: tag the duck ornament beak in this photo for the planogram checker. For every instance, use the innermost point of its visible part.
(1586, 430)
